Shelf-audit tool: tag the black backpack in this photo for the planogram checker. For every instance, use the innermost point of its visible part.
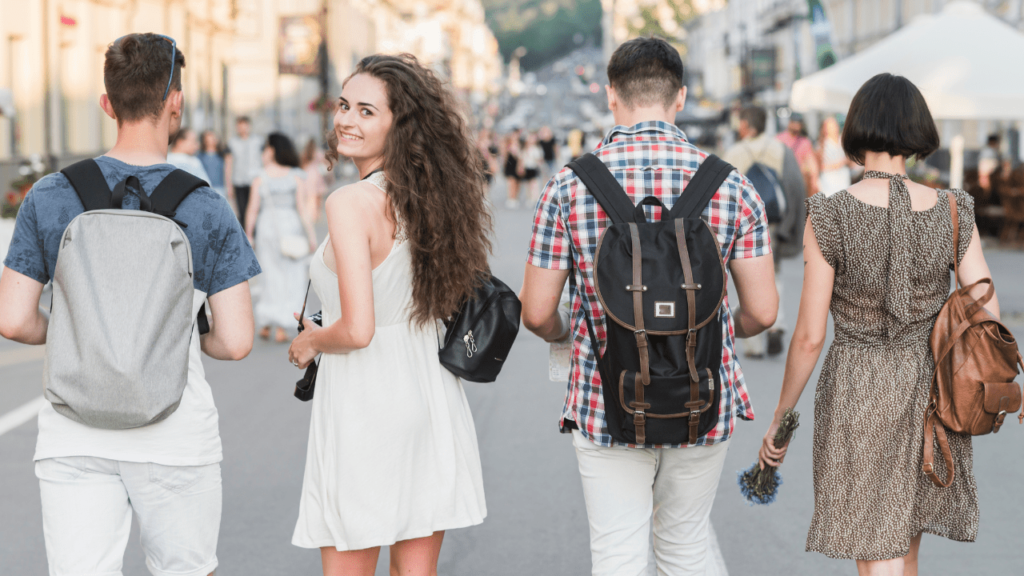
(766, 182)
(480, 335)
(661, 285)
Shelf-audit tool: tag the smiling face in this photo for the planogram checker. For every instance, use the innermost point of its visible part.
(363, 120)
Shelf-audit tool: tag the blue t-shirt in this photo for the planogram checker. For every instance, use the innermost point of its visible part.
(214, 166)
(221, 254)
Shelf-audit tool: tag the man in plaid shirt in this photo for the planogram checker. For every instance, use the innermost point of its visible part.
(648, 156)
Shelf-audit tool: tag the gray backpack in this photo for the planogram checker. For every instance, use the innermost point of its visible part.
(117, 346)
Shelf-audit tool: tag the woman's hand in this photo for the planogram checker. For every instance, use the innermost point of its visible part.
(769, 455)
(302, 352)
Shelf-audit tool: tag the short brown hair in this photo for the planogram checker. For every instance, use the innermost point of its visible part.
(755, 117)
(135, 74)
(645, 72)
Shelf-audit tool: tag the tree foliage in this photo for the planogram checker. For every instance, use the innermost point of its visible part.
(547, 29)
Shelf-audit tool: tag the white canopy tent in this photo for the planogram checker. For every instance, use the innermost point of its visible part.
(965, 61)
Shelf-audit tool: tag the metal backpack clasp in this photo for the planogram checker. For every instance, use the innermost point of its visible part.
(470, 344)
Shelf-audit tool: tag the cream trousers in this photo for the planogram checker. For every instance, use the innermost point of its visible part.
(625, 488)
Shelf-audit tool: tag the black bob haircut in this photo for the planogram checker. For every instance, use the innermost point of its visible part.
(284, 150)
(645, 72)
(888, 114)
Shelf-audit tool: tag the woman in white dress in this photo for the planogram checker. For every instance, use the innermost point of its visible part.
(277, 208)
(392, 456)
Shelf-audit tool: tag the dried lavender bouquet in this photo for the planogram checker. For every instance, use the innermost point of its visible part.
(761, 486)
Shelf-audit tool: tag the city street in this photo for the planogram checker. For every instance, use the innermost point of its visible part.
(536, 523)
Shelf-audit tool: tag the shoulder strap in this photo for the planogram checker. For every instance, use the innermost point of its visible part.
(90, 184)
(604, 187)
(702, 188)
(172, 190)
(955, 218)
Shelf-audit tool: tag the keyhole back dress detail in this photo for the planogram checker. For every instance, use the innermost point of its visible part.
(892, 276)
(392, 451)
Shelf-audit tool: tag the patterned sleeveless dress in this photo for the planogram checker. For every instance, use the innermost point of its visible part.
(892, 276)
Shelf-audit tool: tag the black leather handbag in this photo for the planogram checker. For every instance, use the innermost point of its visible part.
(479, 337)
(304, 388)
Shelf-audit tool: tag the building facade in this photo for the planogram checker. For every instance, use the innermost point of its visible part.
(753, 50)
(51, 62)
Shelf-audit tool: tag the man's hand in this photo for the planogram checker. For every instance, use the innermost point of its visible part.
(21, 319)
(542, 290)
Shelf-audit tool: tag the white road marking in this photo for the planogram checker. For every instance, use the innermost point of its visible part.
(21, 414)
(22, 355)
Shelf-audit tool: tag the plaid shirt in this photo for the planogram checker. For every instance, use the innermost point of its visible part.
(649, 159)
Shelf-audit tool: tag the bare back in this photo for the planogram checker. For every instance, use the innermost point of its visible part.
(371, 202)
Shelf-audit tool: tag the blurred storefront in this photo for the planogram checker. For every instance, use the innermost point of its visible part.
(239, 56)
(728, 47)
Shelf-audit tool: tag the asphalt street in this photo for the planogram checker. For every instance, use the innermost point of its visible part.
(536, 523)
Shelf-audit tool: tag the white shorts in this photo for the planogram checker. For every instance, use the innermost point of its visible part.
(87, 515)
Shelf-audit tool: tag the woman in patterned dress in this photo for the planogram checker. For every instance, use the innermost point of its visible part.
(878, 256)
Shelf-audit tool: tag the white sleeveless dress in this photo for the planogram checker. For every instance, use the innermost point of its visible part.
(392, 449)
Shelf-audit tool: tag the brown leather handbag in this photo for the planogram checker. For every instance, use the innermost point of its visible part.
(976, 360)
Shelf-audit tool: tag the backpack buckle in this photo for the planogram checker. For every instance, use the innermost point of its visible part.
(694, 416)
(691, 339)
(636, 288)
(641, 338)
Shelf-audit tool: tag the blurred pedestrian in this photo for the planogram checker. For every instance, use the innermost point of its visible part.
(286, 239)
(386, 276)
(244, 163)
(835, 166)
(314, 164)
(184, 147)
(512, 150)
(212, 157)
(878, 257)
(773, 170)
(795, 137)
(93, 477)
(489, 153)
(575, 142)
(628, 486)
(990, 164)
(531, 159)
(548, 142)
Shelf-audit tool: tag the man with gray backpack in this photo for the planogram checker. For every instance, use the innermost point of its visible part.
(646, 230)
(775, 173)
(136, 251)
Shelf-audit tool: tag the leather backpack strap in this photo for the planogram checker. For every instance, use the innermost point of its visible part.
(931, 422)
(643, 379)
(690, 287)
(955, 219)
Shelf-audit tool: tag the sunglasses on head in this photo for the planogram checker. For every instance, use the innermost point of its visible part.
(174, 52)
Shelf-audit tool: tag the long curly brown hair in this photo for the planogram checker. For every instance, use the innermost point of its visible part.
(434, 185)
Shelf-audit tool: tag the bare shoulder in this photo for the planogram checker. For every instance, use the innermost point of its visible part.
(357, 201)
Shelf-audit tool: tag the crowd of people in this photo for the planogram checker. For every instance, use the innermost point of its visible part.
(392, 457)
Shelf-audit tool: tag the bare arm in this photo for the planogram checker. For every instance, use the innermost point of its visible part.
(542, 289)
(808, 340)
(759, 299)
(229, 185)
(231, 329)
(21, 319)
(253, 210)
(352, 215)
(973, 267)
